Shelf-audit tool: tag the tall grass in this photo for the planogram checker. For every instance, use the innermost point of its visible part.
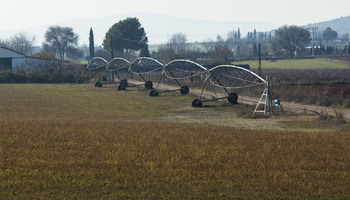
(54, 146)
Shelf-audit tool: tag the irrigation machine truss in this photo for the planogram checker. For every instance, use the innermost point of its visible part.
(179, 70)
(98, 65)
(227, 77)
(231, 77)
(142, 66)
(120, 67)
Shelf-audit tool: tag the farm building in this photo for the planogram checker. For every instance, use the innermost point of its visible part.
(14, 61)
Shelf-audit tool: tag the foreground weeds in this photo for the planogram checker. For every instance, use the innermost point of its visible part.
(53, 150)
(141, 160)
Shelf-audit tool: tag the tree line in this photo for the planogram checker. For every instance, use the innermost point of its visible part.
(127, 38)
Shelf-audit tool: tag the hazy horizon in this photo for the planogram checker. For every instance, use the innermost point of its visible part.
(24, 15)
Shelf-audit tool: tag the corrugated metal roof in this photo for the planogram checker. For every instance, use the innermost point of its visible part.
(9, 53)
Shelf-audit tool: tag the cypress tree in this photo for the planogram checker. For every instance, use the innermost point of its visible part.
(239, 34)
(91, 43)
(254, 36)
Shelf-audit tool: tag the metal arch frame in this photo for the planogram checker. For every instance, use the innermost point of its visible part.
(232, 97)
(100, 70)
(95, 58)
(148, 84)
(117, 58)
(183, 89)
(147, 58)
(240, 68)
(122, 82)
(184, 60)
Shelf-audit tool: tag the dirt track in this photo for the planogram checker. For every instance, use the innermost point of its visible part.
(295, 107)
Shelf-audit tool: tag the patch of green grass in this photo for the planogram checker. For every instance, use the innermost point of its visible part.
(296, 64)
(86, 98)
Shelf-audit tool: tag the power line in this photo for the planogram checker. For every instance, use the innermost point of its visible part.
(126, 39)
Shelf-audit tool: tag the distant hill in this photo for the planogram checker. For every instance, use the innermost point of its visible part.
(158, 27)
(341, 25)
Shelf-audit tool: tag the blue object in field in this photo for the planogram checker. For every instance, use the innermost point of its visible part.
(277, 102)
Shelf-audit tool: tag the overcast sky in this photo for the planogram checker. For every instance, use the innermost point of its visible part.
(19, 14)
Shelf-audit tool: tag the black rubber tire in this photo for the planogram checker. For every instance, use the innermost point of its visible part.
(197, 103)
(184, 90)
(98, 84)
(153, 93)
(149, 85)
(121, 87)
(124, 82)
(233, 98)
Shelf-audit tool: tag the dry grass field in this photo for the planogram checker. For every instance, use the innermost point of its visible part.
(62, 141)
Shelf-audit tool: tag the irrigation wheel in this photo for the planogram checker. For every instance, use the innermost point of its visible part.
(233, 98)
(184, 90)
(197, 103)
(153, 93)
(121, 87)
(149, 85)
(98, 84)
(124, 83)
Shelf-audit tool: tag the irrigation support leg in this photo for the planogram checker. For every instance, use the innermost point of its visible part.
(143, 78)
(117, 76)
(204, 84)
(161, 76)
(218, 80)
(268, 104)
(176, 79)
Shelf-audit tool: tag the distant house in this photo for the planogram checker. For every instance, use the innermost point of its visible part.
(14, 61)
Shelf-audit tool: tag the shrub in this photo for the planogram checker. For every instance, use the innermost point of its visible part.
(52, 72)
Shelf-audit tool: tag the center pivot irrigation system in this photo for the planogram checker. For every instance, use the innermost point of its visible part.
(120, 67)
(179, 70)
(98, 65)
(231, 77)
(227, 77)
(142, 66)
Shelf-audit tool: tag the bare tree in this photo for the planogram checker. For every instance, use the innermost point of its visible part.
(221, 54)
(166, 53)
(220, 40)
(209, 44)
(22, 42)
(178, 42)
(291, 38)
(4, 43)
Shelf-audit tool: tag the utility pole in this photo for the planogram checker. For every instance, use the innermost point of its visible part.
(259, 60)
(112, 47)
(313, 30)
(112, 56)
